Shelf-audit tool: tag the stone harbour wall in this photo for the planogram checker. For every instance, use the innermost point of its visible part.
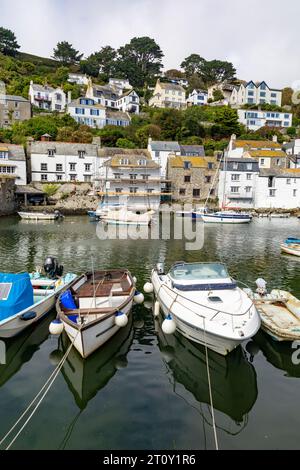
(7, 196)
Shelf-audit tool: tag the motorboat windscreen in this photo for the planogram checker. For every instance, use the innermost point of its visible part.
(201, 276)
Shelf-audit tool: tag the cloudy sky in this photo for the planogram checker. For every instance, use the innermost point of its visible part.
(260, 37)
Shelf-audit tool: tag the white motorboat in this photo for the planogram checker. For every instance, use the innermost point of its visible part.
(39, 215)
(95, 307)
(227, 217)
(280, 216)
(26, 298)
(206, 305)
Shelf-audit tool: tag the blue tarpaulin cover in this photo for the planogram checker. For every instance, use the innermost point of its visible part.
(16, 294)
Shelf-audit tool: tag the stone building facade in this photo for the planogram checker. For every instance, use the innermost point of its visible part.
(7, 195)
(193, 179)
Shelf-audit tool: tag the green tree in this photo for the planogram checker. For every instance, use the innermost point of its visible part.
(8, 42)
(66, 53)
(216, 71)
(174, 73)
(170, 121)
(218, 95)
(101, 62)
(140, 60)
(287, 94)
(125, 143)
(192, 64)
(149, 130)
(227, 123)
(110, 134)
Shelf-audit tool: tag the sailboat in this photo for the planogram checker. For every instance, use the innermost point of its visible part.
(226, 216)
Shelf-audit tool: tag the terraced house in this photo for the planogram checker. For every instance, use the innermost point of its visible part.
(59, 162)
(168, 95)
(192, 178)
(131, 175)
(13, 109)
(13, 163)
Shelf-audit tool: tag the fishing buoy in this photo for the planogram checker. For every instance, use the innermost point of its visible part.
(55, 357)
(253, 349)
(121, 319)
(169, 326)
(56, 327)
(156, 309)
(134, 279)
(148, 288)
(138, 297)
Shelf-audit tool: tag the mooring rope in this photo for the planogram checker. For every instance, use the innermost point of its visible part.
(48, 384)
(209, 388)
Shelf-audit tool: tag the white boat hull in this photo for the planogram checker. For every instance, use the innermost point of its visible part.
(213, 219)
(89, 339)
(37, 216)
(290, 250)
(195, 322)
(13, 326)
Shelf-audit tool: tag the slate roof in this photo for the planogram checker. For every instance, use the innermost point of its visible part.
(165, 146)
(195, 149)
(15, 152)
(63, 148)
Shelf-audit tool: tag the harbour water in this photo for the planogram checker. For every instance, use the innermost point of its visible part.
(143, 390)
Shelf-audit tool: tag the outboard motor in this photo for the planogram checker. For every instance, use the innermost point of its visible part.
(52, 268)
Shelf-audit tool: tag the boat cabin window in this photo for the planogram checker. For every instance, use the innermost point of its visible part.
(214, 299)
(5, 290)
(199, 271)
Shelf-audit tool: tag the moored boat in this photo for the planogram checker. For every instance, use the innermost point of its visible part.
(40, 215)
(95, 307)
(280, 314)
(26, 298)
(291, 248)
(205, 305)
(227, 217)
(124, 216)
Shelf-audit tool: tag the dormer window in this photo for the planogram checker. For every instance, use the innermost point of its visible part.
(51, 152)
(4, 154)
(187, 165)
(142, 162)
(81, 153)
(124, 161)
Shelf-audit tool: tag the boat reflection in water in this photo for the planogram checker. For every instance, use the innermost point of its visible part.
(280, 354)
(85, 377)
(233, 378)
(21, 349)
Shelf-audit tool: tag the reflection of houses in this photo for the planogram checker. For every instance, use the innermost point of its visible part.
(130, 174)
(47, 98)
(13, 162)
(192, 178)
(168, 95)
(13, 109)
(63, 162)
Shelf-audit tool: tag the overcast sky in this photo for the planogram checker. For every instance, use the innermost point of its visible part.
(260, 37)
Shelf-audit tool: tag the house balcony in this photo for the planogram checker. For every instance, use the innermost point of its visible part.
(42, 98)
(131, 180)
(137, 194)
(241, 195)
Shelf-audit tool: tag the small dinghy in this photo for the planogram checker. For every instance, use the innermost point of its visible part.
(205, 305)
(280, 314)
(291, 248)
(26, 298)
(95, 307)
(40, 215)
